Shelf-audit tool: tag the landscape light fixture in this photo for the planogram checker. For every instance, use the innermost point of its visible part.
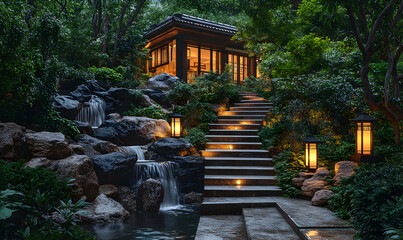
(364, 138)
(176, 125)
(311, 152)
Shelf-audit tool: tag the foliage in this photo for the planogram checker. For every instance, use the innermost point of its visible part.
(196, 113)
(106, 75)
(41, 194)
(54, 122)
(182, 93)
(288, 165)
(197, 137)
(150, 112)
(372, 198)
(7, 207)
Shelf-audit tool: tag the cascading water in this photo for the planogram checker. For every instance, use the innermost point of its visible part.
(93, 112)
(134, 149)
(163, 172)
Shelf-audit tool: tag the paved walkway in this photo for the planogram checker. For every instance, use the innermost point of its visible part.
(241, 197)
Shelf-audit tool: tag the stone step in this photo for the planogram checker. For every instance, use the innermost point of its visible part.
(244, 153)
(240, 180)
(224, 126)
(251, 108)
(220, 227)
(260, 116)
(244, 112)
(264, 104)
(234, 145)
(239, 170)
(234, 205)
(254, 101)
(238, 161)
(233, 138)
(233, 132)
(267, 223)
(243, 191)
(240, 121)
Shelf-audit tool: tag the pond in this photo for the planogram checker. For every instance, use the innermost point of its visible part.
(177, 223)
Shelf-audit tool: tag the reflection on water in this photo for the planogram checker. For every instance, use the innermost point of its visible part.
(173, 224)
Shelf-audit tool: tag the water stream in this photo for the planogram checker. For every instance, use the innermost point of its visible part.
(92, 112)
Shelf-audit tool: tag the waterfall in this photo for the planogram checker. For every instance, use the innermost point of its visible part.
(163, 172)
(93, 112)
(134, 149)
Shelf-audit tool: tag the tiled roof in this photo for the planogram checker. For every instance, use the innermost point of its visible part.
(195, 21)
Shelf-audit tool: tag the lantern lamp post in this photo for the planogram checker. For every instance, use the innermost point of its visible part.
(176, 125)
(364, 138)
(311, 152)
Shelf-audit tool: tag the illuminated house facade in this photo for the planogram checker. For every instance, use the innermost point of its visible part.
(186, 47)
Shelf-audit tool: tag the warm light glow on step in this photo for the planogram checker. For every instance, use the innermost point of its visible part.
(245, 122)
(238, 184)
(230, 147)
(312, 233)
(236, 128)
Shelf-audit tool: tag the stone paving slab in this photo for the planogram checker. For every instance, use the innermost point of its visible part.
(267, 223)
(329, 234)
(221, 227)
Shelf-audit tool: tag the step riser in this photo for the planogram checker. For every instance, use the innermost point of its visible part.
(233, 139)
(265, 163)
(255, 108)
(246, 182)
(218, 193)
(229, 132)
(246, 117)
(234, 146)
(271, 172)
(266, 104)
(248, 113)
(229, 121)
(235, 154)
(238, 127)
(254, 101)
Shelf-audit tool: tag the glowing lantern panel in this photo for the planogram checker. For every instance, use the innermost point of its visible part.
(311, 152)
(364, 134)
(176, 127)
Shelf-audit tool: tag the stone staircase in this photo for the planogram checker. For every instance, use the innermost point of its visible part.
(241, 199)
(235, 164)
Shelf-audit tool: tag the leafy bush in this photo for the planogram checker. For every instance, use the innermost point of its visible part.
(196, 113)
(106, 75)
(372, 198)
(150, 112)
(269, 136)
(42, 193)
(197, 137)
(182, 93)
(54, 123)
(288, 165)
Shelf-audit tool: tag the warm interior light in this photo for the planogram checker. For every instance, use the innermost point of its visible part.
(311, 155)
(364, 138)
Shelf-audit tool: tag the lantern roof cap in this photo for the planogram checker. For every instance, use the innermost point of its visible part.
(177, 115)
(364, 117)
(310, 139)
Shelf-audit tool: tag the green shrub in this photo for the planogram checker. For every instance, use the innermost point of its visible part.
(269, 136)
(182, 93)
(197, 137)
(288, 165)
(372, 198)
(150, 112)
(41, 193)
(55, 123)
(106, 75)
(196, 113)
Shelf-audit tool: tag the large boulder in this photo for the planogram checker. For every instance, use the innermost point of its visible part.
(299, 181)
(150, 196)
(165, 149)
(315, 183)
(52, 145)
(123, 99)
(77, 167)
(127, 197)
(109, 190)
(344, 169)
(163, 81)
(158, 96)
(84, 128)
(133, 130)
(321, 197)
(67, 106)
(93, 146)
(115, 168)
(190, 173)
(105, 209)
(12, 142)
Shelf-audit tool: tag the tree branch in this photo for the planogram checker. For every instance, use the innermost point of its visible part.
(356, 30)
(398, 15)
(371, 37)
